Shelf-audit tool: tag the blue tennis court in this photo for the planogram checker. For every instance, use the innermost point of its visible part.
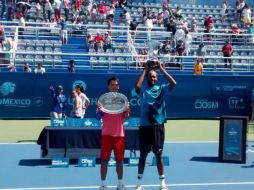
(193, 166)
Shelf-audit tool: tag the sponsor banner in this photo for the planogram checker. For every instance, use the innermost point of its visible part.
(133, 161)
(87, 162)
(111, 162)
(193, 97)
(61, 162)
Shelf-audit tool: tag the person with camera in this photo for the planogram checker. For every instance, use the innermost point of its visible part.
(153, 116)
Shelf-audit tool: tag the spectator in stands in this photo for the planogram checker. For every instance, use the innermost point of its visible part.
(10, 11)
(11, 67)
(84, 13)
(111, 12)
(149, 25)
(159, 18)
(133, 27)
(193, 27)
(179, 35)
(121, 19)
(165, 47)
(77, 4)
(85, 100)
(90, 41)
(40, 69)
(48, 10)
(251, 32)
(198, 67)
(112, 137)
(94, 12)
(2, 36)
(127, 17)
(102, 11)
(224, 10)
(180, 49)
(240, 4)
(107, 42)
(208, 23)
(77, 105)
(27, 68)
(246, 15)
(187, 42)
(201, 51)
(227, 51)
(57, 10)
(153, 113)
(8, 46)
(58, 105)
(122, 3)
(38, 9)
(172, 63)
(71, 66)
(252, 106)
(178, 13)
(171, 26)
(64, 31)
(65, 5)
(99, 41)
(235, 30)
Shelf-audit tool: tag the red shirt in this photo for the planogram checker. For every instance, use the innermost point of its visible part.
(227, 50)
(98, 38)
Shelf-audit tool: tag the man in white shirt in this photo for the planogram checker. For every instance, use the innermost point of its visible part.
(40, 69)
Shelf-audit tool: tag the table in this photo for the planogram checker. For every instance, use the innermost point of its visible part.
(79, 141)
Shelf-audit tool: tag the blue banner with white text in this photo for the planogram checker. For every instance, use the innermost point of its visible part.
(26, 95)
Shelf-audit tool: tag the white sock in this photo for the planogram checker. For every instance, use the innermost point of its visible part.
(140, 176)
(120, 182)
(103, 183)
(162, 180)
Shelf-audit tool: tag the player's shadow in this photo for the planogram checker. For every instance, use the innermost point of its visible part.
(205, 159)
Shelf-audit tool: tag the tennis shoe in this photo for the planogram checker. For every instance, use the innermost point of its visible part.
(121, 187)
(163, 188)
(139, 187)
(103, 187)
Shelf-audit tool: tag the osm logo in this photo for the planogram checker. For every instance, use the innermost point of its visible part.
(7, 88)
(206, 104)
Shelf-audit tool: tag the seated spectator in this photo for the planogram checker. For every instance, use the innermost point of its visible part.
(127, 17)
(171, 26)
(172, 63)
(133, 27)
(71, 66)
(179, 35)
(107, 42)
(165, 47)
(198, 67)
(11, 67)
(111, 12)
(121, 19)
(208, 23)
(90, 41)
(98, 41)
(159, 19)
(227, 51)
(94, 12)
(48, 10)
(27, 68)
(39, 69)
(235, 30)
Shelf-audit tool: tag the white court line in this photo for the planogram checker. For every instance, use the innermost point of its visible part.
(132, 186)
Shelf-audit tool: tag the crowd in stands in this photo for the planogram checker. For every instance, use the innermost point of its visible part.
(63, 12)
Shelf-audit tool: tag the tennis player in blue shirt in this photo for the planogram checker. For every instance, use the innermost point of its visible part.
(153, 115)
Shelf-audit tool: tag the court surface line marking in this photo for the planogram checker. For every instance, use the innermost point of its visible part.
(166, 142)
(132, 186)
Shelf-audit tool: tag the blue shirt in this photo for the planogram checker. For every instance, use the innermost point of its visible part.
(153, 110)
(58, 102)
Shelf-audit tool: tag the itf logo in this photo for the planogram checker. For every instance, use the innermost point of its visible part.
(7, 88)
(236, 103)
(79, 82)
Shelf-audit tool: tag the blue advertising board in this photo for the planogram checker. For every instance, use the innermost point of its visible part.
(27, 95)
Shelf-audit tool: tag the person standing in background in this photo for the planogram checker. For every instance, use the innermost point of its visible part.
(58, 102)
(77, 105)
(84, 98)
